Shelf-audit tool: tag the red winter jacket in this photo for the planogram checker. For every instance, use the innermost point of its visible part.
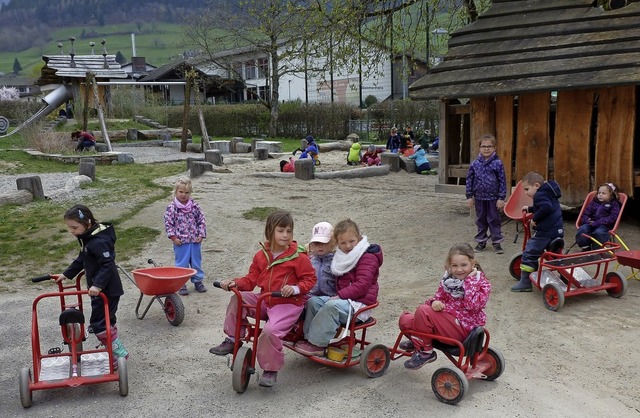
(361, 283)
(291, 267)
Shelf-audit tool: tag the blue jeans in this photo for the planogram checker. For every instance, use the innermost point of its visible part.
(189, 255)
(323, 317)
(601, 233)
(533, 250)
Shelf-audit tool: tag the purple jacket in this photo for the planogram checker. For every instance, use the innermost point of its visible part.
(486, 179)
(185, 225)
(361, 283)
(601, 214)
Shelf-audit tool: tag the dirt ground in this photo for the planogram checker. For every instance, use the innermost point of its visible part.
(577, 362)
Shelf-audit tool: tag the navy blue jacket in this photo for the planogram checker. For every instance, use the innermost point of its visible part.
(546, 210)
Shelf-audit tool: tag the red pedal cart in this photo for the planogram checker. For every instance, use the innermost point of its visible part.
(354, 349)
(161, 283)
(58, 369)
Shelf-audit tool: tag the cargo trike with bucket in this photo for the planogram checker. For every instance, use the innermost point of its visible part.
(161, 283)
(57, 368)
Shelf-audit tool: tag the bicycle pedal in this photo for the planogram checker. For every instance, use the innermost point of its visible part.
(55, 350)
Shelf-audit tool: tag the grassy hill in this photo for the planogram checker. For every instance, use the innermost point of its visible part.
(157, 42)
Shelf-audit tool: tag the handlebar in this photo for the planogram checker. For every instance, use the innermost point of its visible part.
(150, 261)
(274, 294)
(41, 278)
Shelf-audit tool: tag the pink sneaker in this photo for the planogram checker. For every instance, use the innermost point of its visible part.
(305, 347)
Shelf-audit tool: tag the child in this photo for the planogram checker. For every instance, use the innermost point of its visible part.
(406, 141)
(279, 266)
(356, 265)
(353, 157)
(422, 163)
(547, 221)
(288, 167)
(599, 217)
(85, 140)
(393, 143)
(98, 259)
(321, 249)
(371, 156)
(186, 227)
(486, 189)
(455, 309)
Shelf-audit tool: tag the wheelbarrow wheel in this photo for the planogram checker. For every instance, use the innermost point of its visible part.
(496, 360)
(620, 282)
(174, 309)
(26, 395)
(375, 360)
(552, 296)
(242, 370)
(514, 266)
(123, 377)
(449, 384)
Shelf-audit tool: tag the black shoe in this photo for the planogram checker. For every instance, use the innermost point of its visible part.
(480, 247)
(498, 249)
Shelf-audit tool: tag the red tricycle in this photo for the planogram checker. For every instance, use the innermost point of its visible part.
(159, 283)
(353, 349)
(58, 369)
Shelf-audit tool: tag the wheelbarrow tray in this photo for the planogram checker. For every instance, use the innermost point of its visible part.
(629, 258)
(153, 281)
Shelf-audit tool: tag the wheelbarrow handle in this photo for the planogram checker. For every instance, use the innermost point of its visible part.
(42, 278)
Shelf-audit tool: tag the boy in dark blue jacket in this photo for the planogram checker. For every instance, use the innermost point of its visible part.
(547, 222)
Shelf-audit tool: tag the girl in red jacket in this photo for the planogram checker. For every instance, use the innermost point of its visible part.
(356, 265)
(279, 266)
(455, 309)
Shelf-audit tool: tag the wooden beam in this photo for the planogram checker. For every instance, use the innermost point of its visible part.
(443, 162)
(483, 121)
(505, 126)
(572, 142)
(532, 142)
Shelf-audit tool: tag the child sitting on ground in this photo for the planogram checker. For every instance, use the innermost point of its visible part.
(599, 217)
(456, 308)
(279, 266)
(356, 265)
(371, 156)
(393, 143)
(546, 220)
(353, 157)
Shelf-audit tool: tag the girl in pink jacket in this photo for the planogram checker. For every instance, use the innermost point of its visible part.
(455, 309)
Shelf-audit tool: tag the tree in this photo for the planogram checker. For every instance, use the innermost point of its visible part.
(120, 59)
(16, 67)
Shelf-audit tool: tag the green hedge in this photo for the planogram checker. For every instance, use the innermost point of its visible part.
(17, 111)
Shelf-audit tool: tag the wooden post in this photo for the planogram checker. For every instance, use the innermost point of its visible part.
(254, 141)
(32, 184)
(199, 167)
(213, 156)
(88, 168)
(304, 169)
(391, 159)
(132, 134)
(262, 153)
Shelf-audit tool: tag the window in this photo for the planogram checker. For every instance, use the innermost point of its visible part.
(250, 70)
(263, 67)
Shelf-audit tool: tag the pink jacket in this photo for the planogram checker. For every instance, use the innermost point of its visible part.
(469, 310)
(361, 283)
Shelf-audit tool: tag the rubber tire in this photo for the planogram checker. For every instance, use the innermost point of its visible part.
(495, 357)
(26, 394)
(174, 309)
(123, 377)
(552, 296)
(241, 373)
(375, 360)
(514, 266)
(449, 384)
(621, 288)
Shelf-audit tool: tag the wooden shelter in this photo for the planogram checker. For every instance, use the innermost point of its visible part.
(556, 81)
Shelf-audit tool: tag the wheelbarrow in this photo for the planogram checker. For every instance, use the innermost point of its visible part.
(161, 283)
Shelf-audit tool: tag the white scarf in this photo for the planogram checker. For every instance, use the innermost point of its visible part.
(345, 262)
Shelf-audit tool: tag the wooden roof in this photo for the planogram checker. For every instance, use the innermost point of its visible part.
(61, 66)
(523, 46)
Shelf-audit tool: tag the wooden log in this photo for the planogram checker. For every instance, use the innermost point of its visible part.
(304, 169)
(87, 168)
(233, 144)
(335, 146)
(32, 184)
(362, 172)
(261, 153)
(254, 141)
(213, 156)
(132, 134)
(199, 167)
(392, 160)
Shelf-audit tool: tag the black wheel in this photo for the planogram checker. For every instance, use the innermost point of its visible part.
(449, 384)
(553, 296)
(123, 377)
(26, 395)
(174, 309)
(514, 265)
(241, 370)
(375, 359)
(496, 359)
(620, 282)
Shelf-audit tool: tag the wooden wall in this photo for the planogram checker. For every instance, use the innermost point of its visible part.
(532, 140)
(505, 130)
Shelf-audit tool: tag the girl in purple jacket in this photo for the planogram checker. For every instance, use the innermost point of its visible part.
(455, 309)
(185, 226)
(356, 265)
(599, 217)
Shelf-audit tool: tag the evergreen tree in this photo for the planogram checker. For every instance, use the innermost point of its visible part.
(120, 59)
(16, 67)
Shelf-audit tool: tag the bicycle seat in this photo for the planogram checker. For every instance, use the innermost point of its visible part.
(556, 246)
(71, 316)
(472, 344)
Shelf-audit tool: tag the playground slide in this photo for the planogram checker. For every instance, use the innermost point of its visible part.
(52, 100)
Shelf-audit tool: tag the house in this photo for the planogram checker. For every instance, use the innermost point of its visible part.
(557, 82)
(137, 68)
(26, 86)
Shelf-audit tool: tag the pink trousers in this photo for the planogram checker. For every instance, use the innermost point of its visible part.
(280, 319)
(426, 320)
